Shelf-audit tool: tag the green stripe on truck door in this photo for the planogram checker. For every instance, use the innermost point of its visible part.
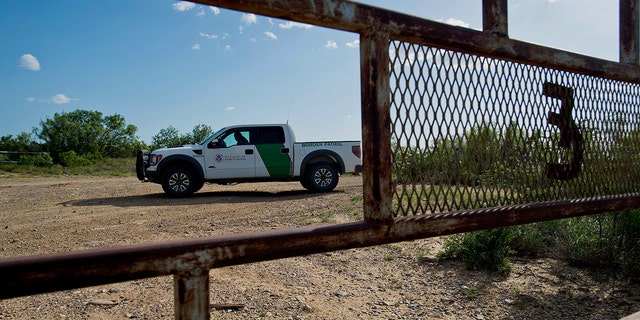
(278, 164)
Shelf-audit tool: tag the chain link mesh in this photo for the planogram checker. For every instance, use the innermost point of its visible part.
(475, 132)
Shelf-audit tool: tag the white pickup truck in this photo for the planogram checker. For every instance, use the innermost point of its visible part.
(249, 153)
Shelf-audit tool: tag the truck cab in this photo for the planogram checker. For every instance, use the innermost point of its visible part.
(249, 152)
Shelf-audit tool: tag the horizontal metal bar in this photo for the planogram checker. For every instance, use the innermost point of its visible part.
(360, 18)
(20, 276)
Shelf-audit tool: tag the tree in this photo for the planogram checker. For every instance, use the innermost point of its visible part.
(118, 139)
(87, 133)
(171, 137)
(23, 142)
(167, 137)
(200, 132)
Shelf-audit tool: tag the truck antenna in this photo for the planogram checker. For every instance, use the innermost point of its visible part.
(289, 113)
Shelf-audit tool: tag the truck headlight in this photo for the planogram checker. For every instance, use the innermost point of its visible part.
(154, 159)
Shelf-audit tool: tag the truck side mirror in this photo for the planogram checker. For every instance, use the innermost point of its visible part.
(213, 144)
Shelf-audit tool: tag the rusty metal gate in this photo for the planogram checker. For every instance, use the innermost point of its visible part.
(473, 132)
(462, 130)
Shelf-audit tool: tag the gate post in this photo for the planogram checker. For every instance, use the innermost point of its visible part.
(376, 126)
(191, 295)
(494, 17)
(629, 39)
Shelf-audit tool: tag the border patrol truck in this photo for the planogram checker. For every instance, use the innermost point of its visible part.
(249, 153)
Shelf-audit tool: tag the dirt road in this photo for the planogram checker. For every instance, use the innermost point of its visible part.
(396, 281)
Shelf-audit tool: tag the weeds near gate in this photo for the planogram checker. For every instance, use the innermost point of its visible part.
(491, 165)
(469, 292)
(610, 240)
(326, 217)
(486, 249)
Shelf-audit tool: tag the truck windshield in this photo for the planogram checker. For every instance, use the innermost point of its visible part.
(209, 137)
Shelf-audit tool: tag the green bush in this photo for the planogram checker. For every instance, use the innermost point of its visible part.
(71, 159)
(486, 249)
(38, 160)
(609, 240)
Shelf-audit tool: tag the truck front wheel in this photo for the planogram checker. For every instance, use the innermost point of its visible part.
(321, 177)
(180, 181)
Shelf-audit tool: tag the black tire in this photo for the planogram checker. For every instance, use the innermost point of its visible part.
(180, 181)
(321, 177)
(199, 184)
(305, 183)
(140, 165)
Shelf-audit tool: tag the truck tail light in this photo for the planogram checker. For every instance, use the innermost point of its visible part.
(357, 151)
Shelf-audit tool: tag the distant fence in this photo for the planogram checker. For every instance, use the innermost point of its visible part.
(10, 155)
(462, 130)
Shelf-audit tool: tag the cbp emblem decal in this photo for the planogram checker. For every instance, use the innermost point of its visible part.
(219, 157)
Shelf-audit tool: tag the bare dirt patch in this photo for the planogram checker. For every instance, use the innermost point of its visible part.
(396, 281)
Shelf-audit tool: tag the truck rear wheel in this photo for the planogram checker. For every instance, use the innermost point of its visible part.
(180, 181)
(321, 177)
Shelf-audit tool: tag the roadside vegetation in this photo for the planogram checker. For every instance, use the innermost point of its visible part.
(84, 142)
(486, 167)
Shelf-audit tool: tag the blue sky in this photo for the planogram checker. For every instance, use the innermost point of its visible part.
(163, 63)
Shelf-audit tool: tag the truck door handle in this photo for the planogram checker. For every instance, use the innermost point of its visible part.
(284, 150)
(248, 151)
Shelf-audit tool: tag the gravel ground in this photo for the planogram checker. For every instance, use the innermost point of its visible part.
(395, 281)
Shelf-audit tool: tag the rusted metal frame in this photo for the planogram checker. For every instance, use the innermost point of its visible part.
(629, 32)
(358, 18)
(191, 295)
(494, 17)
(376, 121)
(21, 276)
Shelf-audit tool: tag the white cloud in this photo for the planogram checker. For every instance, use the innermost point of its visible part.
(215, 10)
(227, 48)
(58, 98)
(456, 22)
(241, 28)
(32, 100)
(291, 24)
(331, 44)
(271, 35)
(353, 44)
(183, 6)
(200, 13)
(29, 62)
(249, 18)
(61, 99)
(196, 46)
(230, 108)
(209, 36)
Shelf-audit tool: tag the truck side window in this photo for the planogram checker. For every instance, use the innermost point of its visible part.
(236, 137)
(271, 135)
